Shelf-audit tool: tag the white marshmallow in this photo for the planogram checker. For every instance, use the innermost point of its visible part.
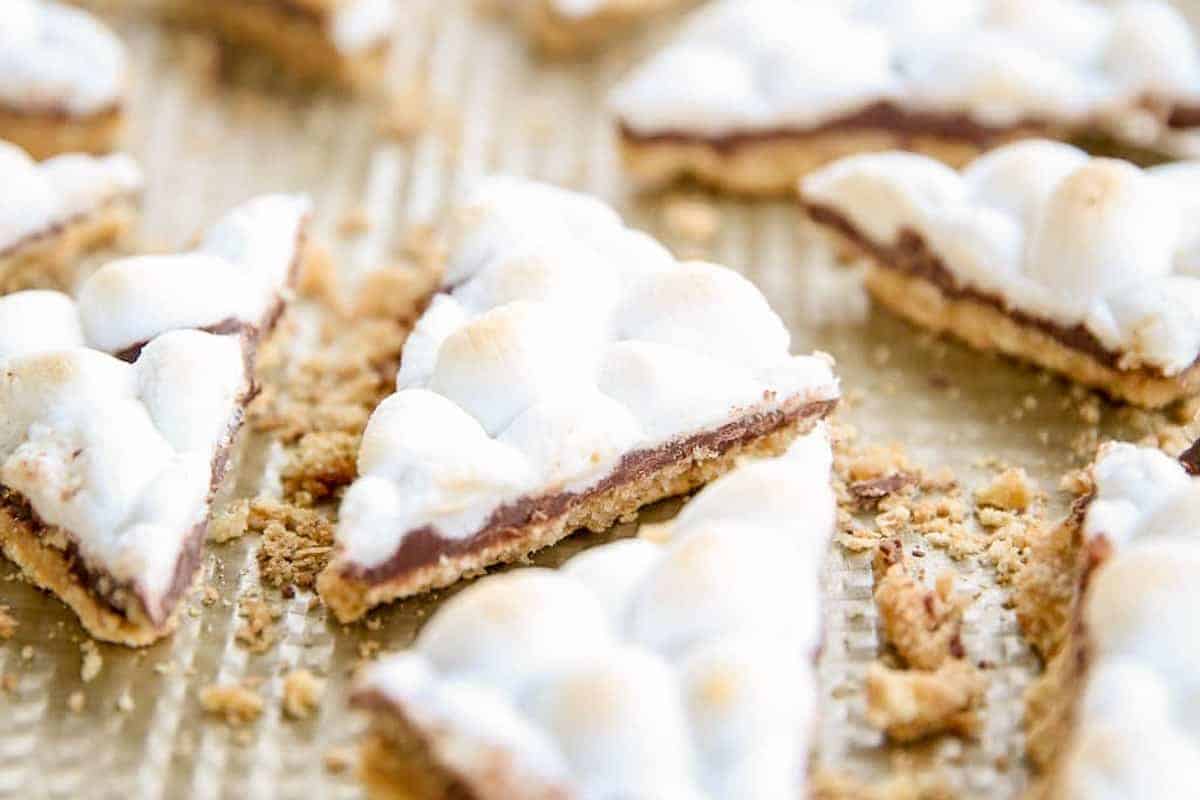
(38, 197)
(120, 455)
(57, 58)
(1053, 233)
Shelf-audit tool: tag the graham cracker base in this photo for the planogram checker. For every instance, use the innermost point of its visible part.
(557, 36)
(771, 165)
(986, 327)
(301, 45)
(351, 597)
(44, 135)
(48, 261)
(44, 561)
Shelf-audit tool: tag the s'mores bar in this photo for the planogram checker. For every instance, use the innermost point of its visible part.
(754, 94)
(568, 372)
(1086, 266)
(342, 42)
(1126, 728)
(56, 210)
(63, 79)
(573, 27)
(678, 666)
(118, 410)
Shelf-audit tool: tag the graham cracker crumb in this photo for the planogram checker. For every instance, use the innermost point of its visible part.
(27, 653)
(125, 702)
(92, 663)
(338, 760)
(301, 693)
(397, 292)
(230, 522)
(354, 222)
(915, 704)
(296, 544)
(210, 595)
(76, 701)
(1010, 491)
(923, 626)
(257, 633)
(318, 277)
(8, 683)
(8, 623)
(237, 703)
(691, 218)
(407, 112)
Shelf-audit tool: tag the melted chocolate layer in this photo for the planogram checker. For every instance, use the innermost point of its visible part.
(883, 115)
(425, 546)
(912, 256)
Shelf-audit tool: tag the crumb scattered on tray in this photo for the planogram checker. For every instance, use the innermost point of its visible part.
(1010, 491)
(692, 218)
(338, 760)
(296, 544)
(909, 705)
(923, 626)
(8, 683)
(407, 112)
(76, 701)
(92, 662)
(230, 522)
(125, 702)
(301, 693)
(257, 632)
(8, 623)
(237, 703)
(354, 222)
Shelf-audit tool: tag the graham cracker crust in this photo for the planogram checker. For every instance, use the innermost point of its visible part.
(557, 36)
(350, 596)
(986, 327)
(47, 260)
(43, 135)
(772, 165)
(294, 36)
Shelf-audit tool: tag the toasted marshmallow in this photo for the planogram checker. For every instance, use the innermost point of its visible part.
(1137, 733)
(1050, 232)
(120, 455)
(750, 66)
(567, 342)
(39, 197)
(643, 668)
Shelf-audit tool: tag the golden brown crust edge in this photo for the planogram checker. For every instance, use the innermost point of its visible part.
(350, 598)
(46, 135)
(48, 262)
(770, 166)
(48, 567)
(986, 327)
(303, 47)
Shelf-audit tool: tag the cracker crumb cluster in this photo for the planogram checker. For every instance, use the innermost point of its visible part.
(301, 693)
(257, 632)
(91, 663)
(8, 623)
(936, 690)
(296, 543)
(237, 703)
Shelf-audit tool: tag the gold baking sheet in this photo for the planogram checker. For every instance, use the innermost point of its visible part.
(207, 143)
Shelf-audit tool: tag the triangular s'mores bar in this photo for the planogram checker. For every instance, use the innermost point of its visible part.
(1086, 266)
(755, 94)
(676, 666)
(574, 27)
(118, 410)
(569, 372)
(341, 42)
(1116, 712)
(63, 79)
(56, 210)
